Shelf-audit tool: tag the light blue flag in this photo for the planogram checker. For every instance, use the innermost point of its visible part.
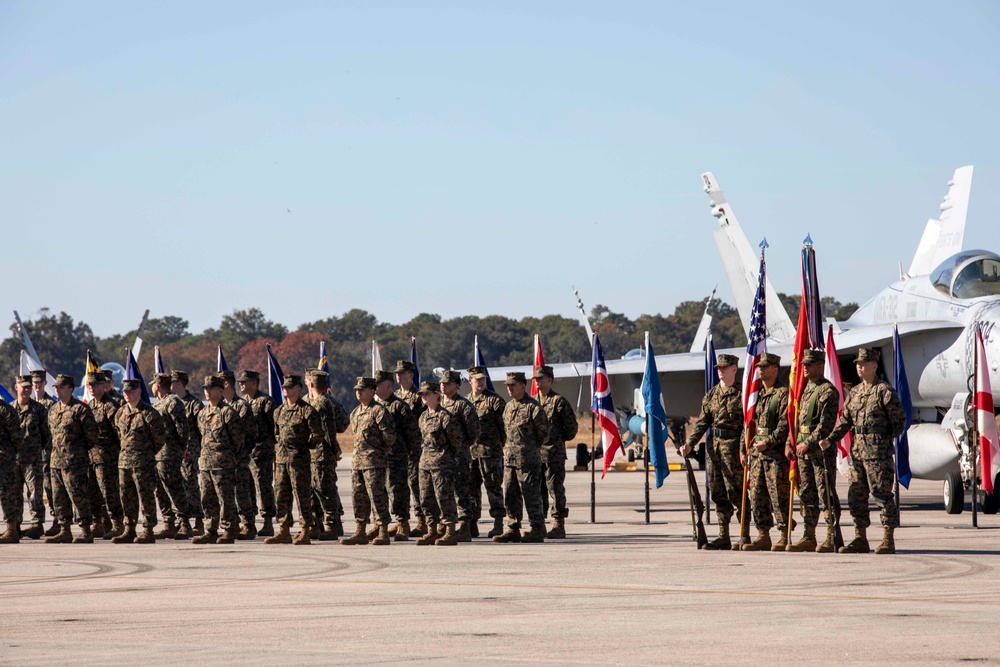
(656, 416)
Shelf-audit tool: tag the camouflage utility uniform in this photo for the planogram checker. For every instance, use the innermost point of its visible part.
(34, 418)
(170, 484)
(11, 442)
(327, 508)
(769, 483)
(527, 429)
(562, 427)
(412, 399)
(816, 418)
(487, 454)
(140, 432)
(464, 413)
(221, 441)
(190, 469)
(440, 440)
(722, 411)
(374, 436)
(105, 492)
(262, 453)
(74, 434)
(298, 430)
(407, 439)
(246, 498)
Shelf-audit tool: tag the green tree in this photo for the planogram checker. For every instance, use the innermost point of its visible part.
(243, 326)
(61, 344)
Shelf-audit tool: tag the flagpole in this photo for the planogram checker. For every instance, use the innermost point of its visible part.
(895, 490)
(593, 470)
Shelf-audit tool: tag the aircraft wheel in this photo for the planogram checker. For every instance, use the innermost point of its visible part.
(954, 493)
(991, 501)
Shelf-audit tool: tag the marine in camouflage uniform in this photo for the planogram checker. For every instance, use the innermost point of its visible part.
(874, 415)
(74, 434)
(527, 429)
(38, 381)
(170, 493)
(105, 492)
(11, 498)
(190, 472)
(34, 418)
(562, 427)
(817, 415)
(468, 422)
(298, 430)
(327, 508)
(374, 436)
(408, 394)
(407, 439)
(246, 498)
(140, 432)
(487, 451)
(769, 483)
(222, 440)
(262, 452)
(440, 439)
(722, 411)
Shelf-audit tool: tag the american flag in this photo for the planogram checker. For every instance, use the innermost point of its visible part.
(756, 346)
(602, 406)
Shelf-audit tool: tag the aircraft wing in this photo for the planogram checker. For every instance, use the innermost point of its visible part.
(944, 237)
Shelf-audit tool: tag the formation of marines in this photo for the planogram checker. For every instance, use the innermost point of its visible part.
(204, 465)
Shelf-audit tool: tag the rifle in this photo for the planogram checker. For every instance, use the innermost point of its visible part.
(832, 501)
(697, 507)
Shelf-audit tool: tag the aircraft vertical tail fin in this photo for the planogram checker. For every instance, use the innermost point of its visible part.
(943, 237)
(741, 264)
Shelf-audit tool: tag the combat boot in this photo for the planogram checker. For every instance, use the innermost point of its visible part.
(304, 536)
(512, 534)
(207, 537)
(248, 531)
(35, 532)
(199, 526)
(359, 536)
(429, 535)
(462, 533)
(328, 535)
(147, 536)
(474, 528)
(11, 535)
(314, 530)
(169, 529)
(86, 536)
(450, 537)
(64, 536)
(420, 528)
(888, 545)
(781, 543)
(722, 542)
(183, 530)
(807, 543)
(829, 544)
(127, 536)
(117, 528)
(761, 543)
(558, 530)
(98, 529)
(53, 529)
(382, 537)
(859, 545)
(497, 527)
(371, 534)
(536, 534)
(338, 526)
(283, 536)
(267, 530)
(402, 531)
(228, 536)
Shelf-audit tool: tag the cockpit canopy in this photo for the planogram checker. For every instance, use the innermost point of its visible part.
(968, 275)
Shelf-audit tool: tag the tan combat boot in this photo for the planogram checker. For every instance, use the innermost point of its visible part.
(227, 536)
(208, 537)
(169, 529)
(64, 536)
(127, 536)
(558, 530)
(11, 535)
(303, 536)
(888, 545)
(536, 534)
(86, 536)
(859, 545)
(147, 536)
(807, 543)
(359, 536)
(497, 527)
(199, 527)
(782, 539)
(722, 542)
(35, 532)
(462, 533)
(829, 544)
(430, 534)
(53, 529)
(371, 534)
(382, 537)
(761, 543)
(420, 528)
(512, 534)
(183, 530)
(329, 534)
(117, 528)
(283, 536)
(248, 531)
(402, 531)
(450, 537)
(267, 530)
(98, 529)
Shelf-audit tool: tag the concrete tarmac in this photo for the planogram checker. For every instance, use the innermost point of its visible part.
(616, 592)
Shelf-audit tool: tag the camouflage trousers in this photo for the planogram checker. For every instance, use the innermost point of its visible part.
(413, 477)
(437, 495)
(553, 488)
(521, 490)
(293, 481)
(47, 480)
(71, 489)
(246, 497)
(31, 474)
(769, 488)
(812, 488)
(725, 477)
(170, 492)
(218, 499)
(105, 492)
(876, 477)
(368, 492)
(11, 498)
(138, 487)
(326, 498)
(488, 473)
(262, 469)
(463, 489)
(399, 489)
(191, 475)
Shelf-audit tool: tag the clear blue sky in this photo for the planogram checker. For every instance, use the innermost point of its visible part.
(308, 158)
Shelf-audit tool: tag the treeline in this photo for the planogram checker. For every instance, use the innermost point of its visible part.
(62, 343)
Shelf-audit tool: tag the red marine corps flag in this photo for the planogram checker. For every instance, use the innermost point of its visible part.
(986, 424)
(539, 361)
